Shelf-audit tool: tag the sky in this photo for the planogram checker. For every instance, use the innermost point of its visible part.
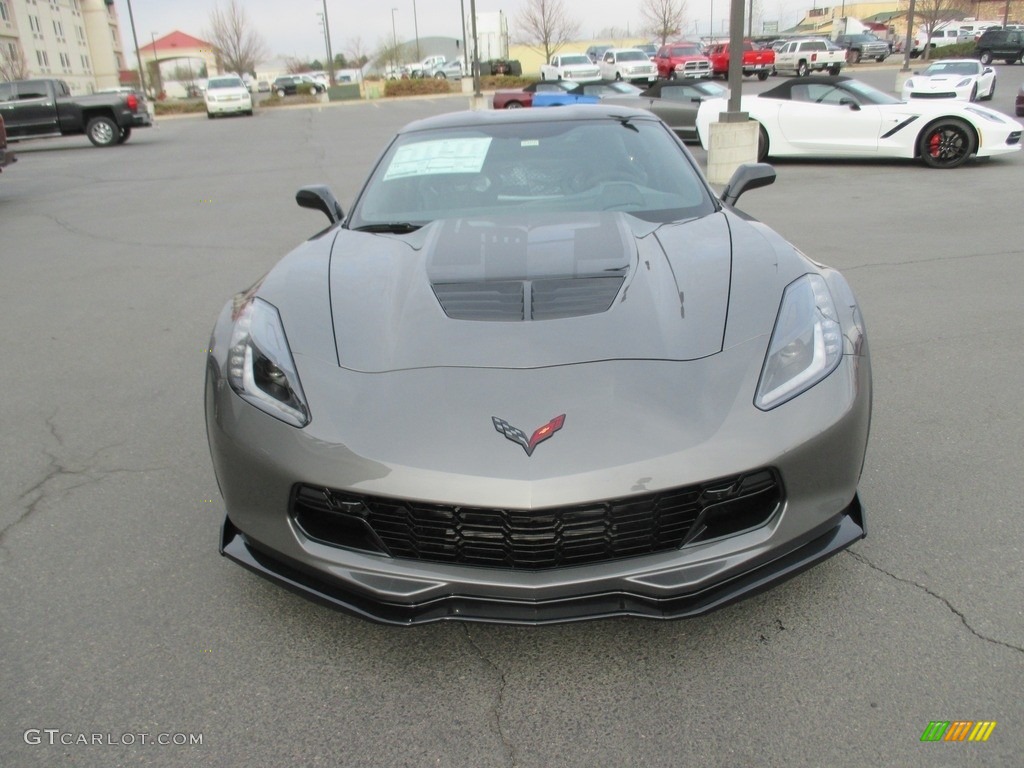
(292, 27)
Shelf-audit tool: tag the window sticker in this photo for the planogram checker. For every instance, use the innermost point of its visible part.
(425, 158)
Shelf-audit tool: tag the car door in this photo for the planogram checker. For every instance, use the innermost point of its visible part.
(823, 119)
(677, 106)
(785, 58)
(35, 110)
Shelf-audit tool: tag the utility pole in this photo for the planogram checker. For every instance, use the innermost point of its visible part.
(330, 56)
(138, 56)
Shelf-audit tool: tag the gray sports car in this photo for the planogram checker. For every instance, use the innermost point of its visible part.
(539, 373)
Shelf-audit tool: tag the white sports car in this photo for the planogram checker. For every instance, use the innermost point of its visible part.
(961, 79)
(842, 117)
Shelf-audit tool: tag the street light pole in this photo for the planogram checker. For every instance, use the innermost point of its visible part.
(416, 27)
(465, 51)
(330, 56)
(138, 56)
(394, 46)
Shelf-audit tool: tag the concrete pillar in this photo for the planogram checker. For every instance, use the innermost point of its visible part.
(729, 146)
(104, 38)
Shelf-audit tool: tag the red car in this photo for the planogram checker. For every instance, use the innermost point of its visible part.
(515, 98)
(682, 60)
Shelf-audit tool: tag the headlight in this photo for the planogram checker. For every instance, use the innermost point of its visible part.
(260, 366)
(806, 345)
(909, 83)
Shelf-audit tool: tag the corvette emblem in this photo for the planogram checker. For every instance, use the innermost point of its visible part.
(517, 435)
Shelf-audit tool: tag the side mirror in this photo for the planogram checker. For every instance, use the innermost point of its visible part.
(988, 71)
(320, 198)
(747, 176)
(853, 105)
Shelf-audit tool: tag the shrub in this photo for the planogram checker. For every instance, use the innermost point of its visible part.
(416, 87)
(494, 82)
(273, 100)
(178, 107)
(955, 51)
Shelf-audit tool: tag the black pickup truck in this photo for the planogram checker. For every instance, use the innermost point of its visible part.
(6, 156)
(35, 109)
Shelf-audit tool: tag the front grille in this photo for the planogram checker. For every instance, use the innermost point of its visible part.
(950, 95)
(594, 532)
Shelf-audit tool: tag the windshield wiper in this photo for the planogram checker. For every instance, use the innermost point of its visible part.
(394, 227)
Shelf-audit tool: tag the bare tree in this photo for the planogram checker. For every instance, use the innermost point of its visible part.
(663, 18)
(13, 65)
(357, 52)
(545, 26)
(239, 47)
(930, 13)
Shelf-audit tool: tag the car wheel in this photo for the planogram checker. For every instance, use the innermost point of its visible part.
(834, 71)
(879, 59)
(103, 131)
(762, 144)
(985, 57)
(209, 115)
(280, 92)
(1010, 61)
(801, 69)
(248, 113)
(125, 135)
(672, 75)
(946, 143)
(440, 76)
(513, 105)
(763, 75)
(618, 77)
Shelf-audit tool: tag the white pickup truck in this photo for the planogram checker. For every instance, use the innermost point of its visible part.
(570, 66)
(810, 55)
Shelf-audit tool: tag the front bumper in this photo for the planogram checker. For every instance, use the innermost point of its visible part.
(834, 536)
(229, 107)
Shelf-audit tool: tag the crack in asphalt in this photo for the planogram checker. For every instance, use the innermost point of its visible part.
(509, 747)
(953, 609)
(33, 496)
(931, 260)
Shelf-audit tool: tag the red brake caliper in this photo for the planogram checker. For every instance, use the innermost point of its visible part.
(934, 141)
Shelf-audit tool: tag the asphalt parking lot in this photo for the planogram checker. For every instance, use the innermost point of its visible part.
(118, 618)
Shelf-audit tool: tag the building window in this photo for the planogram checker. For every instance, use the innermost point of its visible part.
(65, 62)
(58, 28)
(85, 63)
(33, 23)
(42, 58)
(4, 13)
(81, 34)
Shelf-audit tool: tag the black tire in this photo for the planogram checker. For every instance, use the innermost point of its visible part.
(1011, 61)
(209, 115)
(985, 57)
(103, 131)
(440, 76)
(618, 77)
(280, 92)
(879, 59)
(126, 134)
(513, 105)
(763, 74)
(248, 113)
(802, 70)
(834, 71)
(672, 75)
(762, 144)
(946, 143)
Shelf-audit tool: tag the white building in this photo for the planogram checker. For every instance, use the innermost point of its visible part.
(78, 41)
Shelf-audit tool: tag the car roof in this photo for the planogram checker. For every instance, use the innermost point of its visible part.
(569, 113)
(782, 90)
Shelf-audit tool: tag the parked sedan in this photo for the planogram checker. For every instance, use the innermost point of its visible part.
(227, 95)
(287, 85)
(445, 407)
(516, 98)
(963, 79)
(676, 102)
(843, 117)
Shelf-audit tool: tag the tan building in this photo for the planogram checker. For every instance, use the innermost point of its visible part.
(78, 41)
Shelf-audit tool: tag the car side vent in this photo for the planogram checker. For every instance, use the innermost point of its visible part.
(548, 299)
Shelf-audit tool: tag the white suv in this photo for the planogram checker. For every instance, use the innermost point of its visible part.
(630, 64)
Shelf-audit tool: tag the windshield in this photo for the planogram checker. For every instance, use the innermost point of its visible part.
(953, 68)
(632, 56)
(616, 164)
(225, 82)
(581, 59)
(686, 50)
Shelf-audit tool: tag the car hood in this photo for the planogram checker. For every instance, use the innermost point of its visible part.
(936, 81)
(528, 292)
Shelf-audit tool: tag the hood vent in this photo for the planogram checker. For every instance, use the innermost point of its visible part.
(511, 301)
